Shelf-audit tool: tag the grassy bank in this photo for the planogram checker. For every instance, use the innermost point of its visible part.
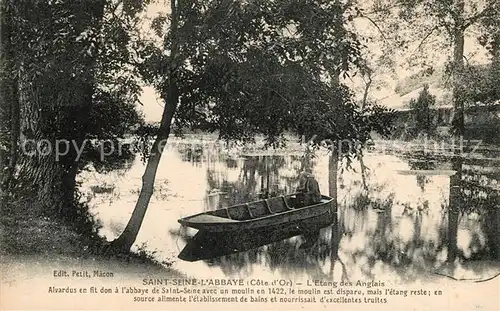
(27, 236)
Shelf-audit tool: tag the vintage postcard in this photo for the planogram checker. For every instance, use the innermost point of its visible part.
(250, 154)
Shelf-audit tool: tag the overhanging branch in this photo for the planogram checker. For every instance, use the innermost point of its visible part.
(425, 39)
(376, 26)
(486, 13)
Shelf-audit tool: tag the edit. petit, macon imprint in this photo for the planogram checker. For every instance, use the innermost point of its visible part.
(83, 274)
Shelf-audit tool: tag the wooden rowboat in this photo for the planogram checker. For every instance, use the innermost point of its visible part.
(261, 214)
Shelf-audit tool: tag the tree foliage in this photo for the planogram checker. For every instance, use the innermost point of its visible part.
(423, 116)
(249, 68)
(261, 67)
(446, 24)
(75, 79)
(239, 68)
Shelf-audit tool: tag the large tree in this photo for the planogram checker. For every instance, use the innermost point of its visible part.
(9, 103)
(53, 76)
(69, 78)
(426, 30)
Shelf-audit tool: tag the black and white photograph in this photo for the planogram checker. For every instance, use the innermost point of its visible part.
(250, 154)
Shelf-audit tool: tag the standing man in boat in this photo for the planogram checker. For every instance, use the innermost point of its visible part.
(308, 194)
(308, 190)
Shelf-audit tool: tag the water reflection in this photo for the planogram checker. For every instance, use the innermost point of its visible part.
(258, 176)
(416, 164)
(397, 228)
(378, 230)
(206, 245)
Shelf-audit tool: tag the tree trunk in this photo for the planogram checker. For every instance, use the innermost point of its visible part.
(40, 176)
(363, 105)
(455, 201)
(458, 71)
(49, 181)
(492, 229)
(334, 244)
(125, 241)
(458, 130)
(49, 113)
(363, 171)
(9, 110)
(14, 136)
(368, 84)
(333, 166)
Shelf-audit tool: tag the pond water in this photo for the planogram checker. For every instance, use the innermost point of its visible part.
(396, 228)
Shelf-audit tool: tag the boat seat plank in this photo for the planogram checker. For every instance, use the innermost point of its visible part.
(239, 212)
(266, 203)
(277, 205)
(249, 210)
(258, 209)
(288, 203)
(205, 218)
